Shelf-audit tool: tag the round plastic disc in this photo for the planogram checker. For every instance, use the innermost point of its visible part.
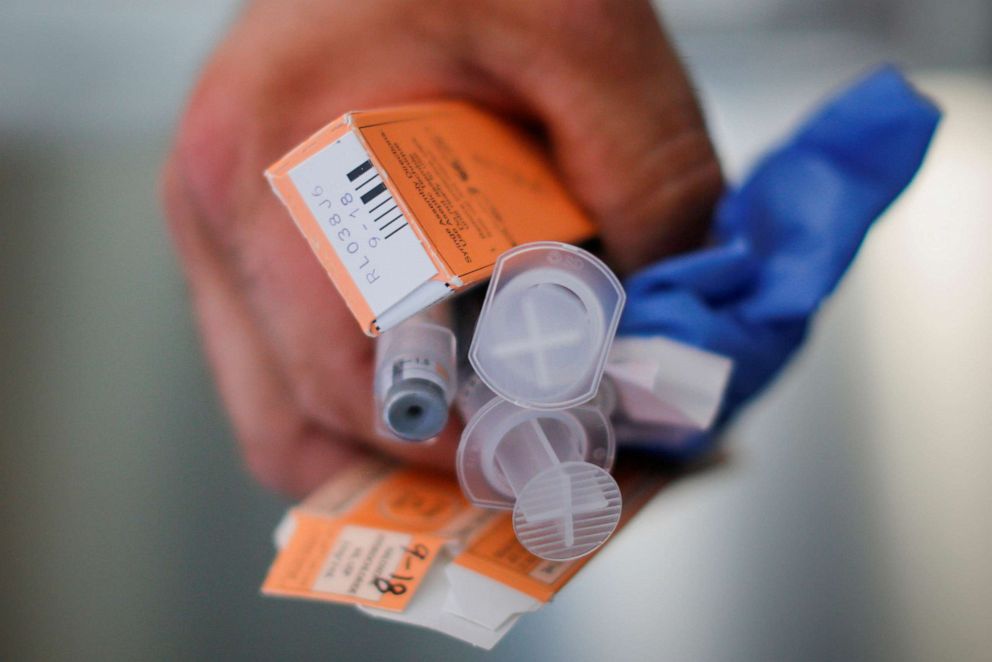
(567, 511)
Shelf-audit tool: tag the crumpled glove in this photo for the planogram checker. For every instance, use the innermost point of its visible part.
(784, 238)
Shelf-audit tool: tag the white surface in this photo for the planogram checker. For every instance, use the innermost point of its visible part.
(484, 601)
(434, 607)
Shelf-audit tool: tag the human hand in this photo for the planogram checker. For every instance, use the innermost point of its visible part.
(597, 78)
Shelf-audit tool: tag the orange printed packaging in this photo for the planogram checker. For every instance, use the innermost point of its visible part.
(403, 544)
(406, 206)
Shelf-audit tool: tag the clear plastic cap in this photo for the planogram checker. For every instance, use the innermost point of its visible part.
(473, 394)
(546, 326)
(414, 379)
(567, 511)
(607, 398)
(550, 468)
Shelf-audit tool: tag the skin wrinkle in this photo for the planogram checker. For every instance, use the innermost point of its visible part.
(524, 52)
(690, 191)
(661, 140)
(680, 173)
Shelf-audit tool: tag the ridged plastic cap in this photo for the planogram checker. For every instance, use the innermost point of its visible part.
(567, 511)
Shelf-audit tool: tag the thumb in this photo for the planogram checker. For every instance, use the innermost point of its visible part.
(624, 125)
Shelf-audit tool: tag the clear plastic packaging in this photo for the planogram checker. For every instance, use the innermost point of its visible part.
(607, 398)
(415, 379)
(551, 467)
(546, 326)
(473, 394)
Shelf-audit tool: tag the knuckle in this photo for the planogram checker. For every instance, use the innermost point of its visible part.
(208, 150)
(271, 469)
(592, 25)
(669, 206)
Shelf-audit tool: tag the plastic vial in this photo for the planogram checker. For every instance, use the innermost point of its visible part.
(546, 326)
(550, 467)
(415, 379)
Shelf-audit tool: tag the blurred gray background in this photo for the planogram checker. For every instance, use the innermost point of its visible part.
(852, 521)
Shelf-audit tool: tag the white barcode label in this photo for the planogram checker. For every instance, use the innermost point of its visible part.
(362, 221)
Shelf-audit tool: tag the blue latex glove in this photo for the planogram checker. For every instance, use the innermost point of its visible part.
(783, 240)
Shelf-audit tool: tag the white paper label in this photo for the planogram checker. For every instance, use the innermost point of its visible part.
(361, 220)
(359, 556)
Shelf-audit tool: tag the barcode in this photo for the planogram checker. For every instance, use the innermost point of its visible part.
(384, 209)
(359, 171)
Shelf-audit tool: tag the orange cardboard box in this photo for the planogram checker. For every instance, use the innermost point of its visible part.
(406, 206)
(405, 545)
